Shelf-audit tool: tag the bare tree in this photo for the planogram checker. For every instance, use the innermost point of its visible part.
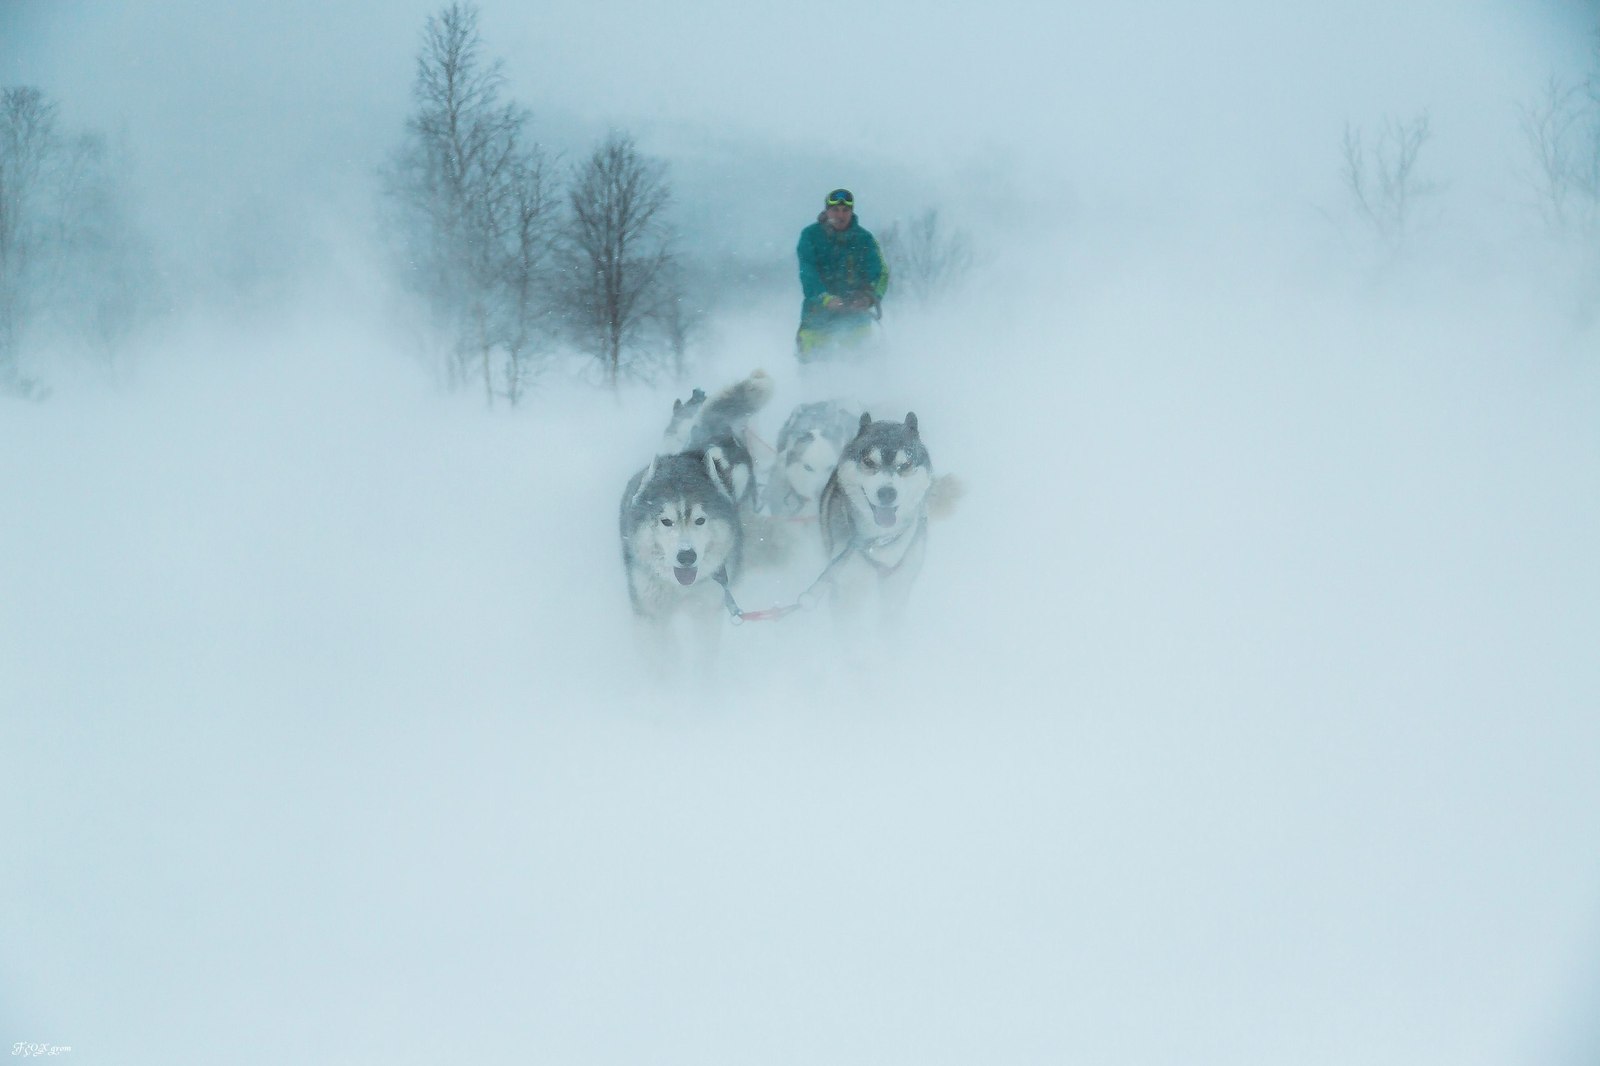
(71, 263)
(27, 143)
(530, 311)
(1562, 130)
(925, 261)
(1385, 187)
(477, 210)
(680, 315)
(621, 265)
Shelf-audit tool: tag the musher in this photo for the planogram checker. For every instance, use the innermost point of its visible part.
(843, 277)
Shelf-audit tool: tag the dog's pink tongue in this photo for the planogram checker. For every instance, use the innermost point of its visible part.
(684, 574)
(884, 516)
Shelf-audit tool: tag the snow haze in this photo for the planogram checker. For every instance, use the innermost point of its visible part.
(1249, 709)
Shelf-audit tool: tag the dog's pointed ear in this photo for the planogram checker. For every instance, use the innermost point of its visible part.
(720, 470)
(911, 422)
(866, 420)
(649, 472)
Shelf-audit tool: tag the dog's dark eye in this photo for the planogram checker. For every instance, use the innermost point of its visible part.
(905, 467)
(868, 465)
(700, 521)
(666, 521)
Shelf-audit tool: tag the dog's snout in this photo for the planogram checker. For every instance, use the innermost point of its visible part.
(886, 495)
(686, 557)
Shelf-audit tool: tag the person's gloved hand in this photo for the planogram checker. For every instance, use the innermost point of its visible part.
(861, 301)
(831, 302)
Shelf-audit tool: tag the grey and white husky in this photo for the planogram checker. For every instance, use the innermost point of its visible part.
(808, 449)
(784, 531)
(682, 537)
(874, 517)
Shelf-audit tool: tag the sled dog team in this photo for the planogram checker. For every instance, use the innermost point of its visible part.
(696, 516)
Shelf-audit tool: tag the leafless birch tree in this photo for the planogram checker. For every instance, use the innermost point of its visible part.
(1562, 131)
(27, 143)
(925, 261)
(477, 212)
(620, 263)
(1385, 187)
(71, 263)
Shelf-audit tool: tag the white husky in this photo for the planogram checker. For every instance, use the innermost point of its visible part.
(783, 532)
(808, 448)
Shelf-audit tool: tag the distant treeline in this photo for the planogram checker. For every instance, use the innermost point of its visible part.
(514, 259)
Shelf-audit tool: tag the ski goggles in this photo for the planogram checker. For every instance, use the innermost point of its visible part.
(841, 198)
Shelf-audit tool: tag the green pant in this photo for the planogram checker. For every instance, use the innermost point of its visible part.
(821, 339)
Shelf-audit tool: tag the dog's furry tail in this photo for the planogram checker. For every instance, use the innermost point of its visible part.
(943, 495)
(728, 412)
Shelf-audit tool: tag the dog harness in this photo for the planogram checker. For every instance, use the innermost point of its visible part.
(808, 599)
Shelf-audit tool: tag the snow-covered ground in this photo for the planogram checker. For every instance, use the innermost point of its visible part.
(1247, 716)
(1249, 713)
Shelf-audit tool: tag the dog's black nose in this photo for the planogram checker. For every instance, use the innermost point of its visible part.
(886, 495)
(686, 557)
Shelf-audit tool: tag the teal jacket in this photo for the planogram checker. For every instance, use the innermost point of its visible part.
(839, 263)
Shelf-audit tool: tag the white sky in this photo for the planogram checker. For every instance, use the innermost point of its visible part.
(1248, 715)
(1148, 108)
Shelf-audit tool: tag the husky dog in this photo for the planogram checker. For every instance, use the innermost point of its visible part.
(875, 516)
(807, 451)
(783, 532)
(682, 537)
